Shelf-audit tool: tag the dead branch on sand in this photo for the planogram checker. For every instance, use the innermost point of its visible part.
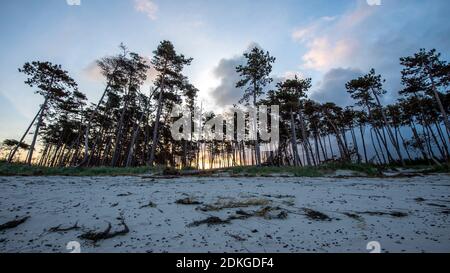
(13, 223)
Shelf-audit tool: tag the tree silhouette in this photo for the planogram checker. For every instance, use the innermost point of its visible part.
(130, 127)
(169, 65)
(53, 83)
(255, 75)
(425, 72)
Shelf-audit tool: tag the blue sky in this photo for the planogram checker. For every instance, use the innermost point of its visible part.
(331, 41)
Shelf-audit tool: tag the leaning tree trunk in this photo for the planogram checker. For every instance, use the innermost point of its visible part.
(439, 102)
(343, 151)
(135, 133)
(36, 132)
(158, 116)
(13, 152)
(388, 127)
(294, 141)
(442, 138)
(355, 144)
(404, 145)
(418, 140)
(331, 146)
(119, 133)
(361, 131)
(305, 137)
(88, 126)
(375, 148)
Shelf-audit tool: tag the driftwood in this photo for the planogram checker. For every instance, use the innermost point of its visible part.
(58, 228)
(209, 221)
(149, 205)
(14, 223)
(188, 201)
(125, 194)
(96, 236)
(396, 214)
(316, 215)
(235, 236)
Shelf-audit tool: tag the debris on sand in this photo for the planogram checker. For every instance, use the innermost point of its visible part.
(282, 215)
(436, 205)
(272, 213)
(241, 215)
(279, 196)
(396, 214)
(97, 236)
(13, 223)
(124, 194)
(58, 228)
(209, 221)
(289, 202)
(316, 215)
(235, 236)
(268, 213)
(149, 205)
(188, 201)
(106, 234)
(353, 216)
(231, 203)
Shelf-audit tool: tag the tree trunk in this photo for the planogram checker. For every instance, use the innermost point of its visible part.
(294, 140)
(418, 140)
(388, 127)
(257, 150)
(36, 132)
(13, 152)
(305, 137)
(158, 116)
(404, 145)
(442, 138)
(136, 132)
(439, 102)
(344, 152)
(375, 148)
(361, 131)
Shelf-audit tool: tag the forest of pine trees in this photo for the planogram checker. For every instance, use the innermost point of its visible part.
(130, 126)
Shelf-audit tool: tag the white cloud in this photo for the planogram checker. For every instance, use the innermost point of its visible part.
(332, 41)
(305, 33)
(148, 7)
(367, 37)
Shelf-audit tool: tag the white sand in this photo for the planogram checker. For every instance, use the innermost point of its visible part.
(52, 201)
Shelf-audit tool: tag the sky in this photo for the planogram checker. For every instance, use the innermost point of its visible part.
(331, 41)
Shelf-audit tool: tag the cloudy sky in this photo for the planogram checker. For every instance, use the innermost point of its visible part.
(331, 41)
